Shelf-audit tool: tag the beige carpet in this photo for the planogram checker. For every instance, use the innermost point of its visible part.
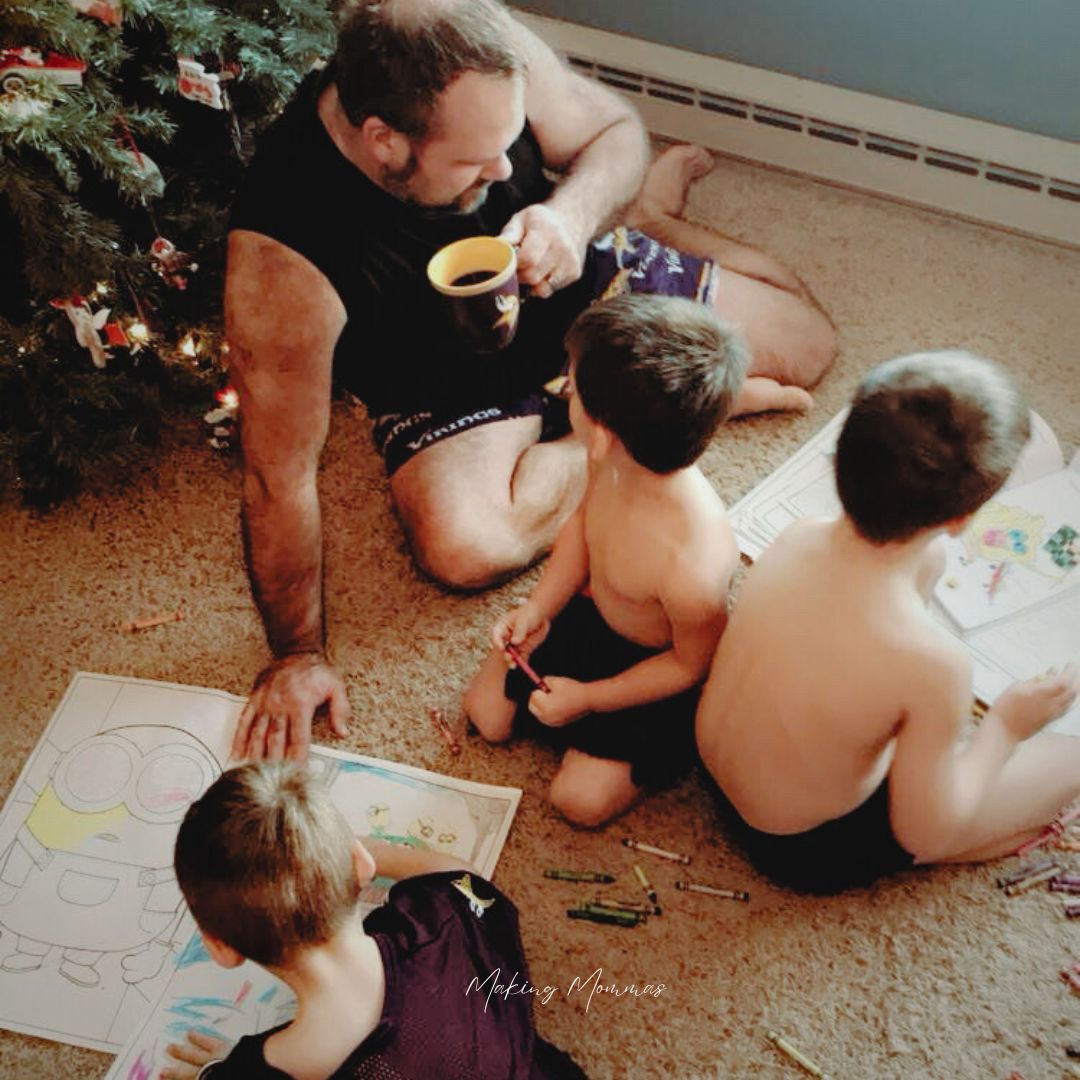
(933, 975)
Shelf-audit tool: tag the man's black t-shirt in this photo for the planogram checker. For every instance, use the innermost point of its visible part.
(398, 352)
(439, 1019)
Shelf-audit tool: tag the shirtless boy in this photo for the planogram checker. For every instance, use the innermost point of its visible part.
(835, 715)
(651, 379)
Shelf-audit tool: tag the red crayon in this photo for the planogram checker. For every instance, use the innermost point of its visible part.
(515, 654)
(445, 730)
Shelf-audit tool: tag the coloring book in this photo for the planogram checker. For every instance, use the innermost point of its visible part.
(1009, 589)
(96, 945)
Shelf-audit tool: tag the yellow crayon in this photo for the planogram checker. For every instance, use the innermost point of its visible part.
(797, 1056)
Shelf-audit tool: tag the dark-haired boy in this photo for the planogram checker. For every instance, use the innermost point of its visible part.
(835, 713)
(632, 602)
(272, 873)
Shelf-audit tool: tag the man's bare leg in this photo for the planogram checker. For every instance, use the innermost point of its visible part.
(792, 341)
(481, 506)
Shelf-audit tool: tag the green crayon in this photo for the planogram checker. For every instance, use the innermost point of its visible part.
(603, 915)
(596, 876)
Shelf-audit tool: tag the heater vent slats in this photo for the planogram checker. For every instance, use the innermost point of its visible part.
(862, 141)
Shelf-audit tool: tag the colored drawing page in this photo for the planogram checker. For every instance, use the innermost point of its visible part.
(93, 930)
(89, 906)
(1021, 549)
(395, 803)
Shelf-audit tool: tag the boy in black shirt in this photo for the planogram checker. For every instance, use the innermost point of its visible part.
(272, 873)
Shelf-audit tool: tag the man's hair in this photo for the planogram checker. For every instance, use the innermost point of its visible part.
(394, 58)
(265, 862)
(930, 437)
(659, 372)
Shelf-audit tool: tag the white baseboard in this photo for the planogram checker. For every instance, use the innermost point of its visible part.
(969, 168)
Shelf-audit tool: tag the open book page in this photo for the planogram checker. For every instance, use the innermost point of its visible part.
(95, 933)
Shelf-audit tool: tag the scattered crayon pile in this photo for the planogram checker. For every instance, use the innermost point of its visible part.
(630, 913)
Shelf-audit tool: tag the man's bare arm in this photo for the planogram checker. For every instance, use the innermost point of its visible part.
(282, 320)
(591, 134)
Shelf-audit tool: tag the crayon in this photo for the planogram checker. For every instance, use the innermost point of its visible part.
(1025, 871)
(1073, 1050)
(608, 909)
(625, 905)
(612, 918)
(537, 680)
(153, 620)
(1072, 909)
(995, 579)
(1065, 883)
(446, 733)
(797, 1056)
(1030, 881)
(650, 850)
(596, 876)
(650, 892)
(711, 890)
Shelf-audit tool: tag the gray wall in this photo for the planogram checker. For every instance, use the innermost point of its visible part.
(1012, 62)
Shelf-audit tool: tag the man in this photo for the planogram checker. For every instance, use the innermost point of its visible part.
(436, 120)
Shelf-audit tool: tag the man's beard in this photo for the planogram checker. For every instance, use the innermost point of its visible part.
(396, 181)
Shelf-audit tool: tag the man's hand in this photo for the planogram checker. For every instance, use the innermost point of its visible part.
(1028, 706)
(525, 627)
(191, 1055)
(276, 722)
(567, 700)
(550, 255)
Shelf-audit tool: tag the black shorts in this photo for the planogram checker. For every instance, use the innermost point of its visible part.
(657, 739)
(849, 851)
(625, 261)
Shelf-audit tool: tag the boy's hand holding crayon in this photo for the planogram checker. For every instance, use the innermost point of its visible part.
(525, 627)
(564, 701)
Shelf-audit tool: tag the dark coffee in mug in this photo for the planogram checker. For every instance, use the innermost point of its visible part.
(477, 277)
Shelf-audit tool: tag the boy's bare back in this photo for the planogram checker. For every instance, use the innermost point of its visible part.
(661, 553)
(813, 679)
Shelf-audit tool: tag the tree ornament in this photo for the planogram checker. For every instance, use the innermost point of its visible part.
(172, 266)
(197, 84)
(19, 66)
(223, 418)
(110, 12)
(87, 324)
(33, 98)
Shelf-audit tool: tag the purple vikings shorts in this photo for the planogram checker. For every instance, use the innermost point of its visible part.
(624, 261)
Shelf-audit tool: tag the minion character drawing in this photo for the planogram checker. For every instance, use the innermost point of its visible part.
(89, 872)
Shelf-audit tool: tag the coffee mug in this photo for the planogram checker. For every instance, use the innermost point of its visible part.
(478, 278)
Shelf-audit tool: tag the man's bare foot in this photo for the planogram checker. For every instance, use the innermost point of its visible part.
(668, 181)
(759, 394)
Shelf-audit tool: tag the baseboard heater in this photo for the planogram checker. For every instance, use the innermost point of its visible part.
(984, 172)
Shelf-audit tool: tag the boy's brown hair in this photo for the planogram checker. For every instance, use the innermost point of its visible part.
(660, 372)
(930, 438)
(265, 861)
(395, 58)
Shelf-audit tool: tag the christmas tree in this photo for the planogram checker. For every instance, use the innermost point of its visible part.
(124, 128)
